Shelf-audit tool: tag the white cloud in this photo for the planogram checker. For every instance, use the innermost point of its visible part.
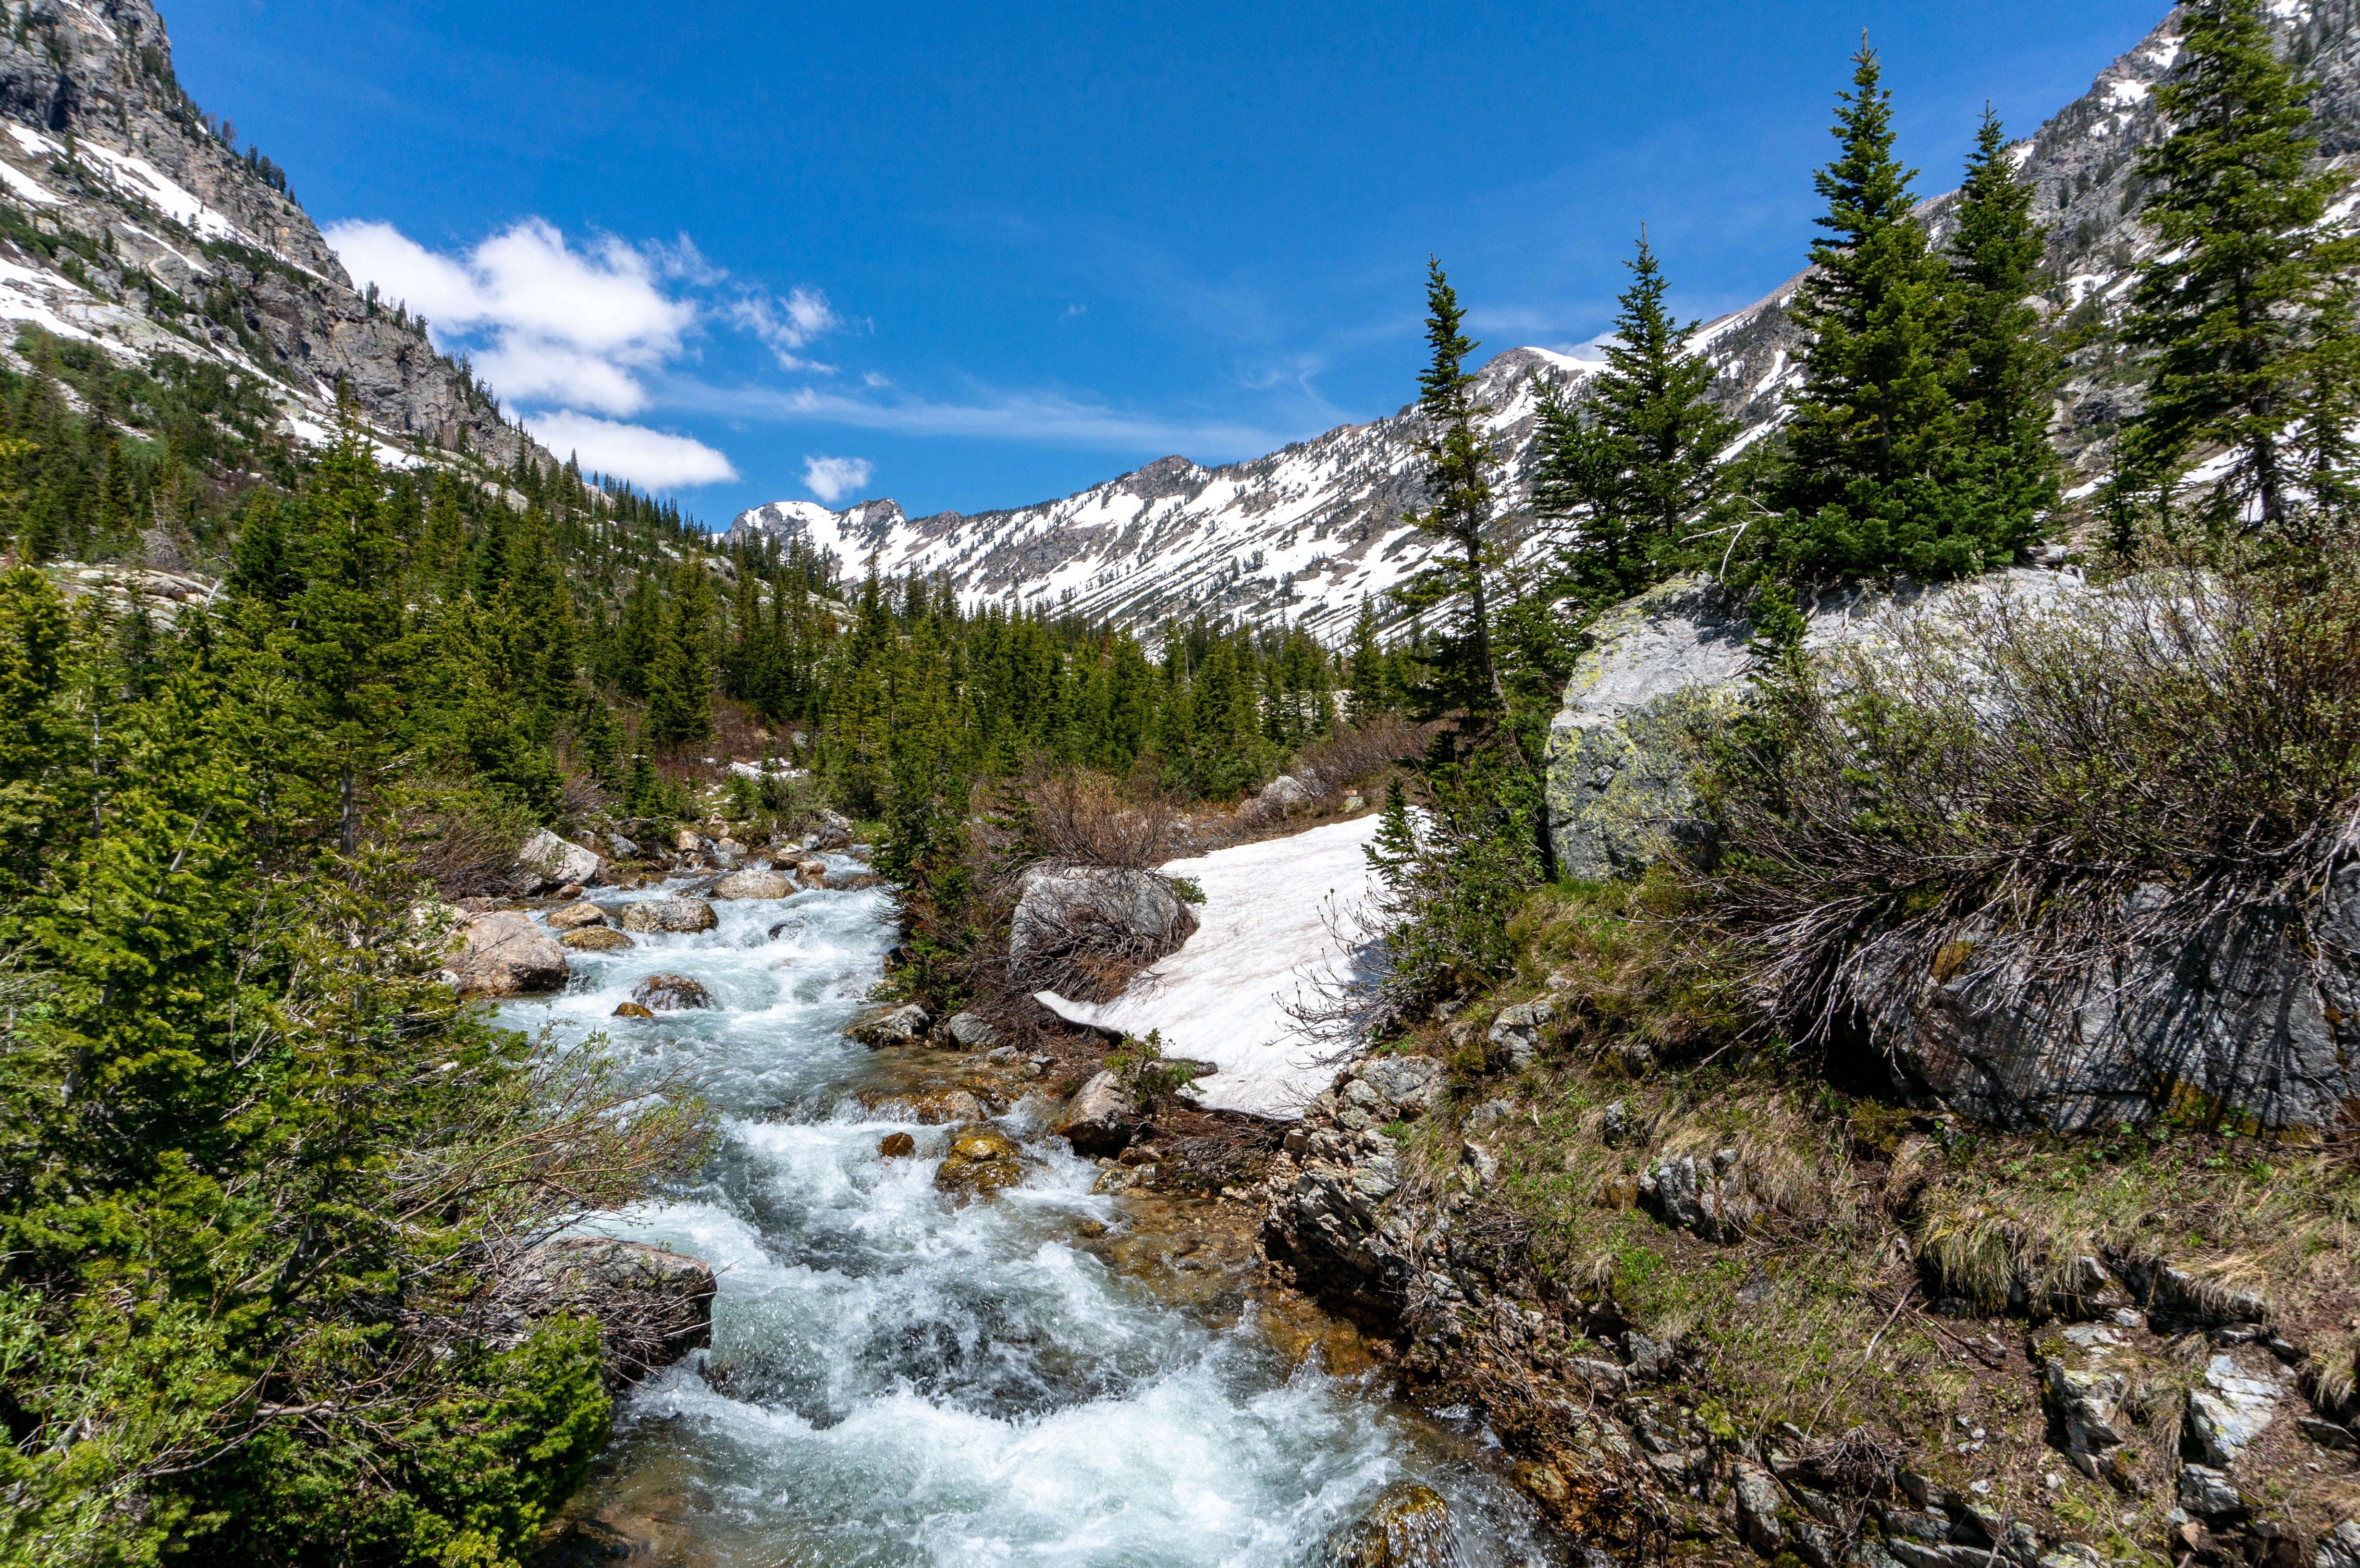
(787, 325)
(648, 458)
(567, 327)
(830, 478)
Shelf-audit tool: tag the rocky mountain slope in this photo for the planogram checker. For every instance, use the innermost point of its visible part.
(127, 220)
(1304, 533)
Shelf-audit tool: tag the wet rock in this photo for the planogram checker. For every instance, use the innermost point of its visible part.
(967, 1032)
(575, 917)
(1543, 1483)
(1407, 1527)
(666, 992)
(928, 1107)
(754, 885)
(595, 939)
(506, 954)
(1101, 1119)
(1515, 1037)
(980, 1161)
(650, 915)
(557, 862)
(898, 1145)
(653, 1306)
(904, 1025)
(1088, 912)
(631, 1010)
(813, 872)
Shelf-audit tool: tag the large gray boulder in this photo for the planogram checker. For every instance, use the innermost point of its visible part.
(505, 955)
(1089, 913)
(652, 915)
(753, 884)
(558, 863)
(1672, 664)
(1101, 1119)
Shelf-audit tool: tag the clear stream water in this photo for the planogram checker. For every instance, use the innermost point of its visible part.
(895, 1379)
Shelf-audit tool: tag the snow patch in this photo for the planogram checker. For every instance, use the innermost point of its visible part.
(1271, 922)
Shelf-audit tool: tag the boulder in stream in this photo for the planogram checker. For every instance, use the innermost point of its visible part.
(1407, 1527)
(1100, 1119)
(595, 938)
(897, 1146)
(506, 954)
(752, 883)
(876, 1029)
(668, 915)
(980, 1161)
(576, 916)
(666, 992)
(558, 863)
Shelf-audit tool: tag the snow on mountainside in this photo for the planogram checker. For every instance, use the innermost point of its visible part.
(1302, 535)
(126, 222)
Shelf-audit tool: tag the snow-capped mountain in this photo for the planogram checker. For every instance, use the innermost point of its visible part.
(1304, 533)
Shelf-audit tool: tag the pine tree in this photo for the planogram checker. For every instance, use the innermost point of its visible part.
(2245, 302)
(2003, 374)
(1875, 414)
(1459, 464)
(679, 691)
(1640, 455)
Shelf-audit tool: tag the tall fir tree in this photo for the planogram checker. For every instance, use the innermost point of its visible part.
(1459, 461)
(2247, 304)
(2004, 373)
(1640, 454)
(680, 690)
(1875, 414)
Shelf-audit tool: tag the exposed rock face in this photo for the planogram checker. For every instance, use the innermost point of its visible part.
(653, 1306)
(1517, 1035)
(754, 885)
(670, 994)
(558, 863)
(505, 955)
(1101, 1119)
(2256, 1017)
(1705, 1196)
(1086, 913)
(200, 254)
(1323, 1222)
(651, 915)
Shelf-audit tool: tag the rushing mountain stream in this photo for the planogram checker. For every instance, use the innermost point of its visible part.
(899, 1378)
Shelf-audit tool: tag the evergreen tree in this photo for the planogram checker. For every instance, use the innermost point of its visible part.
(680, 690)
(1875, 415)
(1640, 455)
(2004, 373)
(1459, 464)
(2246, 304)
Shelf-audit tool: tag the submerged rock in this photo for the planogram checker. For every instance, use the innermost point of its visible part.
(1407, 1527)
(754, 885)
(981, 1159)
(595, 938)
(651, 915)
(506, 956)
(670, 994)
(631, 1010)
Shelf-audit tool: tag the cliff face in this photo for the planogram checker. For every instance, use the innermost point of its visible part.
(126, 219)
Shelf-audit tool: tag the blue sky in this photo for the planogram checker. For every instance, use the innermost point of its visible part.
(972, 255)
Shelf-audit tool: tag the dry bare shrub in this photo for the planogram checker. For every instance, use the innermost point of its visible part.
(1358, 751)
(2091, 778)
(463, 842)
(1084, 819)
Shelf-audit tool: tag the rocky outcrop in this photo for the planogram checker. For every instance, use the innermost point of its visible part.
(505, 955)
(653, 1306)
(654, 915)
(2254, 1019)
(1323, 1225)
(1669, 667)
(1080, 918)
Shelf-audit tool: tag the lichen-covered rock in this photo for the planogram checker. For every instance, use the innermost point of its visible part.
(754, 885)
(1707, 1196)
(2230, 1408)
(653, 1306)
(666, 992)
(1093, 912)
(651, 915)
(1101, 1119)
(506, 954)
(904, 1025)
(595, 939)
(1518, 1033)
(981, 1161)
(558, 863)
